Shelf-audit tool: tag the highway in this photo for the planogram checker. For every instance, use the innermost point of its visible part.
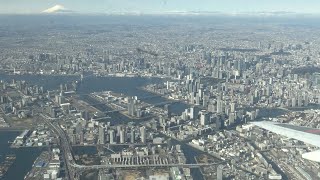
(108, 166)
(71, 166)
(65, 145)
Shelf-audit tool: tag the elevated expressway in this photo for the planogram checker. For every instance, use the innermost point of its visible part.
(72, 166)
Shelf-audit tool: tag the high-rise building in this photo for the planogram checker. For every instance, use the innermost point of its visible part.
(101, 135)
(293, 102)
(81, 137)
(139, 113)
(191, 98)
(111, 134)
(53, 112)
(131, 106)
(143, 134)
(102, 176)
(204, 118)
(85, 115)
(219, 106)
(122, 136)
(251, 99)
(233, 107)
(192, 113)
(205, 101)
(78, 128)
(220, 172)
(59, 99)
(231, 118)
(197, 99)
(132, 136)
(167, 109)
(316, 79)
(56, 99)
(306, 100)
(219, 123)
(211, 107)
(299, 101)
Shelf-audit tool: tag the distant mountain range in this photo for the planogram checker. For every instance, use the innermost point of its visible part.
(280, 13)
(58, 9)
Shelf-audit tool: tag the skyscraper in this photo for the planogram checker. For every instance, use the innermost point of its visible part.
(233, 107)
(204, 118)
(219, 106)
(101, 135)
(192, 113)
(219, 123)
(122, 136)
(132, 136)
(205, 101)
(143, 134)
(220, 172)
(167, 109)
(112, 134)
(231, 118)
(131, 108)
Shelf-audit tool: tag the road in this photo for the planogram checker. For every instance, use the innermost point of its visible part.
(70, 162)
(65, 145)
(108, 166)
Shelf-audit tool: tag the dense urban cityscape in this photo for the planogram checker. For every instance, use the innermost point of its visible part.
(157, 97)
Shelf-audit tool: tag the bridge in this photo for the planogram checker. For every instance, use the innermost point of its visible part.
(139, 98)
(109, 166)
(142, 107)
(162, 103)
(152, 96)
(112, 111)
(101, 118)
(73, 166)
(119, 108)
(13, 70)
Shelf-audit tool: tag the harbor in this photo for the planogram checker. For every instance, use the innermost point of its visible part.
(8, 162)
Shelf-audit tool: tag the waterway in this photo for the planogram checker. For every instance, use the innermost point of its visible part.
(130, 86)
(125, 85)
(24, 156)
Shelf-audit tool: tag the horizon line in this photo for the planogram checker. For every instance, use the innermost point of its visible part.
(181, 13)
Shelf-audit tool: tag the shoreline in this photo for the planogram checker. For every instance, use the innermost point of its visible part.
(165, 96)
(120, 112)
(200, 169)
(17, 129)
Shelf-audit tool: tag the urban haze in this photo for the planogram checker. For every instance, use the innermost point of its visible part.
(192, 95)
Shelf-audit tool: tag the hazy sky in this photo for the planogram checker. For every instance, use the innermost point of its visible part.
(149, 6)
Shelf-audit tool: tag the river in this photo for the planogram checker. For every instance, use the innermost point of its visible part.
(125, 85)
(130, 86)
